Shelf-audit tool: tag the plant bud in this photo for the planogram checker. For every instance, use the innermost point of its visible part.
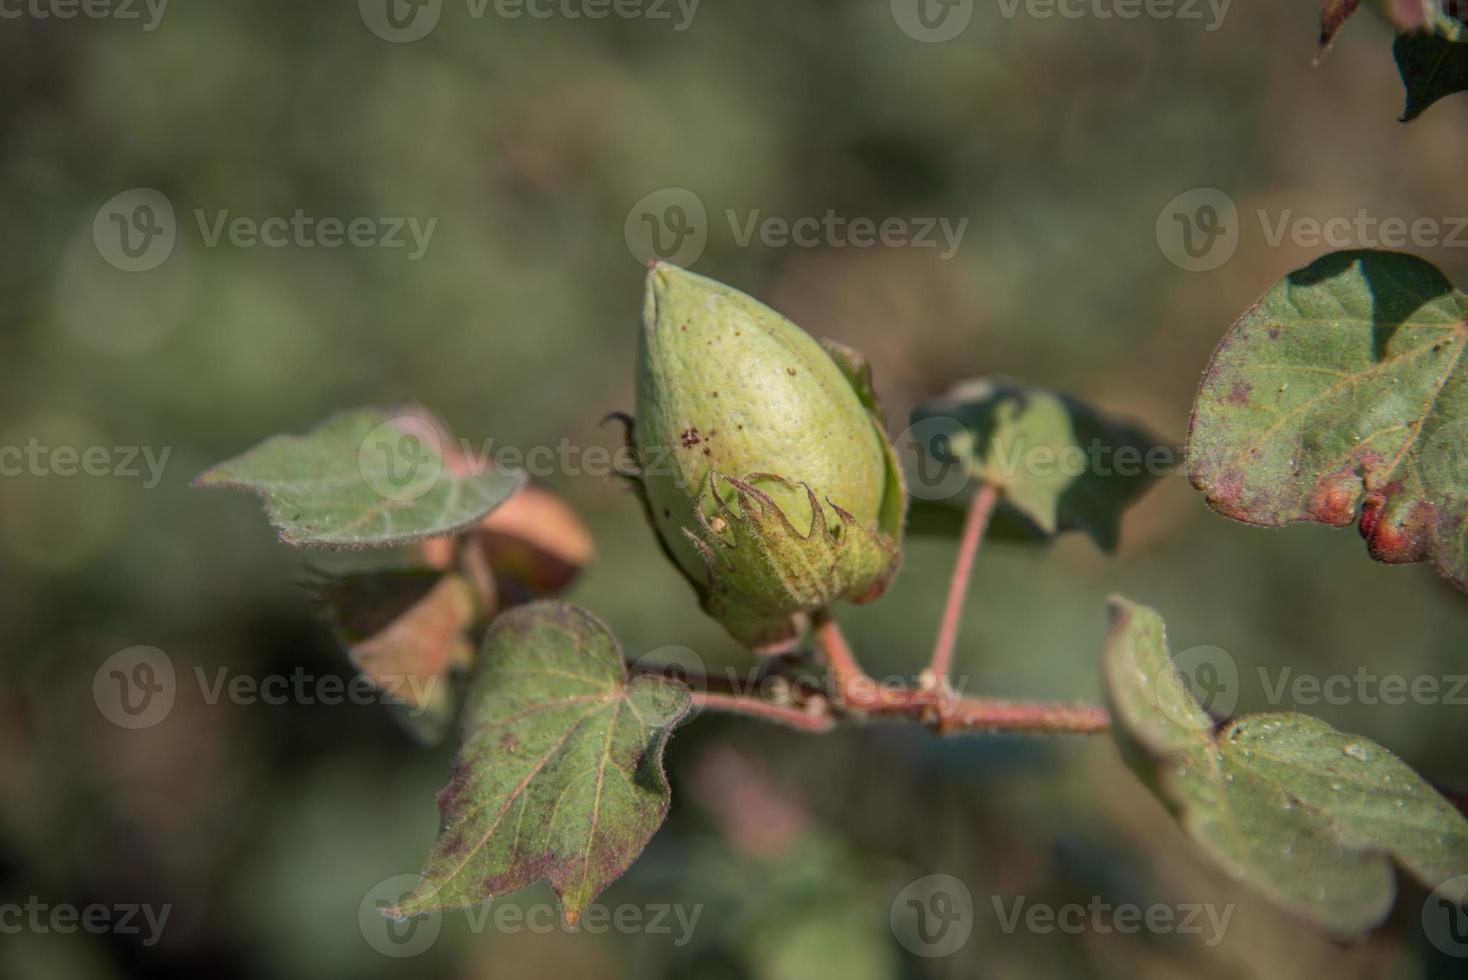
(763, 462)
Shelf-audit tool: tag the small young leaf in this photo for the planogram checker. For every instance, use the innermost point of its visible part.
(1432, 66)
(1311, 817)
(405, 630)
(1333, 16)
(1342, 390)
(561, 772)
(363, 479)
(535, 544)
(1059, 463)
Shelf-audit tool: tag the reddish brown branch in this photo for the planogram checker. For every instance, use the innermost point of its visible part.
(936, 706)
(975, 522)
(812, 718)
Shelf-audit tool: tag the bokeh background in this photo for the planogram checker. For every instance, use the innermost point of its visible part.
(531, 141)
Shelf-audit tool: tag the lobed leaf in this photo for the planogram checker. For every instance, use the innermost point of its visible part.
(1339, 397)
(365, 478)
(560, 775)
(1311, 817)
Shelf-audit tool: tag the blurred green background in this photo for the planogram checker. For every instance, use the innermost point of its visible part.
(531, 141)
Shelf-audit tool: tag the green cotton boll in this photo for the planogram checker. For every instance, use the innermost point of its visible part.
(764, 467)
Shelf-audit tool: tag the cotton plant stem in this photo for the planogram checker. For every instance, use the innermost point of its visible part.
(812, 718)
(852, 683)
(998, 715)
(936, 706)
(975, 522)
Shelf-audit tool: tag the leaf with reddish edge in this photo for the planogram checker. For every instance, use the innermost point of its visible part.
(1340, 397)
(561, 772)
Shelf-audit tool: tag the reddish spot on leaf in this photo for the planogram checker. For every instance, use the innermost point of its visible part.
(1405, 543)
(1239, 394)
(1371, 514)
(1334, 499)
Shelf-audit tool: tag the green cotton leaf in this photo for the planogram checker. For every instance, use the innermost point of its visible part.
(1340, 397)
(1311, 817)
(561, 772)
(1058, 463)
(366, 479)
(1432, 66)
